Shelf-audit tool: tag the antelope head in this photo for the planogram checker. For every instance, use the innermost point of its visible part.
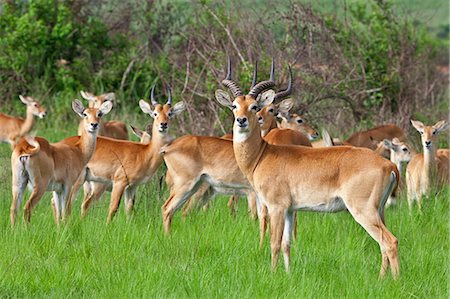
(33, 106)
(428, 134)
(161, 113)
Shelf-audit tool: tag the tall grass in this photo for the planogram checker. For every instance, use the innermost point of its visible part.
(212, 254)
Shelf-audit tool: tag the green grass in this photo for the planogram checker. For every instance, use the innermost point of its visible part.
(211, 254)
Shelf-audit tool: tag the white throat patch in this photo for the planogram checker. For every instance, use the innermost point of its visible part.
(240, 136)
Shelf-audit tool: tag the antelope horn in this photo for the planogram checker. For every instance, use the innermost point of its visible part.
(169, 95)
(255, 74)
(286, 92)
(261, 86)
(152, 96)
(230, 84)
(272, 70)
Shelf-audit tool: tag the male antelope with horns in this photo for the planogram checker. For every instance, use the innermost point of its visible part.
(290, 178)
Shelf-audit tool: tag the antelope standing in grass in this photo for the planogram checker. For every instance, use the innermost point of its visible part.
(124, 165)
(45, 166)
(430, 167)
(326, 179)
(13, 128)
(113, 129)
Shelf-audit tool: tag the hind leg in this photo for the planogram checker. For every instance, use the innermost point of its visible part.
(178, 196)
(18, 189)
(371, 221)
(129, 196)
(36, 195)
(96, 190)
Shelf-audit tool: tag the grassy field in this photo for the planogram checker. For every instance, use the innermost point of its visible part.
(213, 254)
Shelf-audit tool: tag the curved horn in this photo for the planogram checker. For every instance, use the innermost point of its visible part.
(255, 74)
(152, 96)
(169, 95)
(261, 86)
(286, 92)
(230, 84)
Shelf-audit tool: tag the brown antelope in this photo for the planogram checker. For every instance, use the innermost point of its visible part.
(325, 179)
(297, 123)
(13, 128)
(113, 129)
(144, 136)
(96, 189)
(370, 138)
(53, 167)
(430, 167)
(124, 165)
(267, 119)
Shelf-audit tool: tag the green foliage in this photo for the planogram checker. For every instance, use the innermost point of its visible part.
(43, 40)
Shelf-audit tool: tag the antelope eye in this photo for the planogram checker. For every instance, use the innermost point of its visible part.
(300, 121)
(35, 105)
(404, 149)
(271, 110)
(155, 114)
(233, 107)
(434, 132)
(99, 114)
(421, 133)
(255, 107)
(170, 114)
(84, 114)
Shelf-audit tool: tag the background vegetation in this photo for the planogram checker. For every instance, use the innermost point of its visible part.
(356, 63)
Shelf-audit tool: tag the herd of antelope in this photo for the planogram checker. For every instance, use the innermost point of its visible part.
(278, 166)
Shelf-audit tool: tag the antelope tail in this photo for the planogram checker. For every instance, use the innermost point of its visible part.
(29, 148)
(387, 192)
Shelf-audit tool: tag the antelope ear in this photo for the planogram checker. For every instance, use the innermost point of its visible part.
(266, 98)
(145, 107)
(105, 108)
(24, 99)
(78, 107)
(395, 140)
(178, 108)
(285, 105)
(440, 126)
(223, 98)
(388, 144)
(111, 96)
(418, 125)
(327, 140)
(87, 95)
(148, 129)
(136, 131)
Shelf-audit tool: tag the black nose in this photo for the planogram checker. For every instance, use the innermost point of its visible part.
(427, 143)
(94, 125)
(164, 125)
(241, 120)
(44, 114)
(260, 118)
